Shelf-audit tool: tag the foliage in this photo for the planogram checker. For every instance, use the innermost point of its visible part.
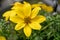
(50, 29)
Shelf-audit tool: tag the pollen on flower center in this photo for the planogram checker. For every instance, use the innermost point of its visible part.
(27, 20)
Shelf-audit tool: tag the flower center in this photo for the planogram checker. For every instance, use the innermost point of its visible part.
(27, 20)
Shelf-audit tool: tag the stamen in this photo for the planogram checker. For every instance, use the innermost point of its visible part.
(27, 20)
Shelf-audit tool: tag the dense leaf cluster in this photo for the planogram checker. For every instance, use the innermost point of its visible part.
(50, 30)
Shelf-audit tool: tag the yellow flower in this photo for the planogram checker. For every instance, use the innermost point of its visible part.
(26, 17)
(36, 5)
(44, 7)
(49, 9)
(2, 38)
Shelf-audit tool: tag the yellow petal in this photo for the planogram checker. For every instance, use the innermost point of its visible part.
(39, 19)
(17, 6)
(7, 15)
(44, 6)
(27, 9)
(16, 19)
(27, 30)
(13, 13)
(35, 12)
(36, 5)
(2, 38)
(19, 26)
(35, 26)
(17, 3)
(49, 9)
(19, 13)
